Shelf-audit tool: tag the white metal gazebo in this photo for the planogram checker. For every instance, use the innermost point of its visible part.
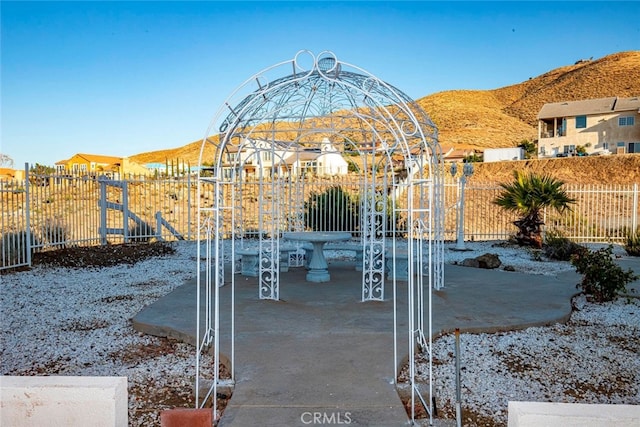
(268, 125)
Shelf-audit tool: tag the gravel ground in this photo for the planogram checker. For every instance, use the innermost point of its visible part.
(593, 358)
(75, 320)
(70, 315)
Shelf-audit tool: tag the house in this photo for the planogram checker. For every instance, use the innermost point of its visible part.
(95, 164)
(10, 173)
(171, 168)
(453, 154)
(262, 158)
(326, 162)
(599, 126)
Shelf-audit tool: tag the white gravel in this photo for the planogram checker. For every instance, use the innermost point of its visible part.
(58, 321)
(594, 358)
(77, 322)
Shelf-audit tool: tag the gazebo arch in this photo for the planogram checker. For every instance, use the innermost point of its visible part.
(263, 131)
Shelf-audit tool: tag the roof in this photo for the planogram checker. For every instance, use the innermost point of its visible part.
(588, 107)
(628, 104)
(97, 158)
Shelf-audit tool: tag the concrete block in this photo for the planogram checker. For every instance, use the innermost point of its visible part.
(63, 401)
(551, 414)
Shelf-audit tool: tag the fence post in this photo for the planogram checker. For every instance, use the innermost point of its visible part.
(189, 205)
(125, 210)
(27, 192)
(103, 211)
(634, 218)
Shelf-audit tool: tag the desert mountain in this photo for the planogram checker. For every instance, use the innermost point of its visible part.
(501, 117)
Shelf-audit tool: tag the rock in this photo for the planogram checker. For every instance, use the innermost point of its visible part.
(471, 262)
(509, 268)
(488, 261)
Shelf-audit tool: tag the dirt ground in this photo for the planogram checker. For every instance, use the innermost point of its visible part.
(101, 256)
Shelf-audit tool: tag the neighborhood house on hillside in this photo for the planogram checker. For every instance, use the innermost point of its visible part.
(599, 126)
(95, 164)
(257, 158)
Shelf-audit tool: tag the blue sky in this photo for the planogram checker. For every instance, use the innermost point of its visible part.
(121, 78)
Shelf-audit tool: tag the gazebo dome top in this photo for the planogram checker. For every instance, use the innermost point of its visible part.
(324, 97)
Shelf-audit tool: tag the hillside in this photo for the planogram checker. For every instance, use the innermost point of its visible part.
(503, 117)
(500, 117)
(621, 169)
(474, 119)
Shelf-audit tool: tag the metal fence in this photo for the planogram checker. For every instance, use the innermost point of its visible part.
(54, 211)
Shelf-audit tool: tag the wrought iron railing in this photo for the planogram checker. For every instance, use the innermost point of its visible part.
(48, 212)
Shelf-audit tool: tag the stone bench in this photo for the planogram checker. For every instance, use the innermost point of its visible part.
(249, 262)
(349, 247)
(401, 267)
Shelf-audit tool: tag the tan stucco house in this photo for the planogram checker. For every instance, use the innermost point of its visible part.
(96, 164)
(600, 126)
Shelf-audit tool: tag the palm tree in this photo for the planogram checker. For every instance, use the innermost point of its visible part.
(527, 195)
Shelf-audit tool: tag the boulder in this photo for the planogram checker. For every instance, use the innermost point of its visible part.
(471, 262)
(488, 261)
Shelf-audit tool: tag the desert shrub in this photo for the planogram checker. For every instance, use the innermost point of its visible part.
(332, 210)
(54, 232)
(141, 233)
(337, 210)
(528, 195)
(602, 278)
(13, 247)
(632, 242)
(558, 247)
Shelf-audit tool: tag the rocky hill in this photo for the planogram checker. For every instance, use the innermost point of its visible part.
(500, 117)
(503, 117)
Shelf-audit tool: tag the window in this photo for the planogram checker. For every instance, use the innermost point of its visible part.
(581, 122)
(605, 145)
(309, 166)
(569, 149)
(626, 121)
(634, 147)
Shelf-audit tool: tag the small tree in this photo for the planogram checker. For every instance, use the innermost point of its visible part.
(530, 148)
(528, 195)
(602, 278)
(632, 242)
(473, 158)
(6, 161)
(333, 210)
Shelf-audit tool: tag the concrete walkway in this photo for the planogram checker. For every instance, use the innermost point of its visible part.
(321, 351)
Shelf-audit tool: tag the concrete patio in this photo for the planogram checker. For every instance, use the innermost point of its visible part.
(321, 351)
